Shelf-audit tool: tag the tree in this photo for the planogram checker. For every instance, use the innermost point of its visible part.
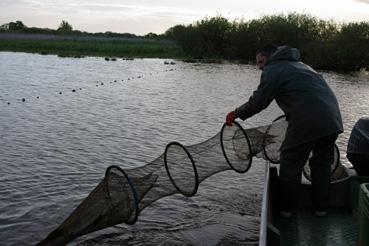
(65, 27)
(16, 26)
(151, 35)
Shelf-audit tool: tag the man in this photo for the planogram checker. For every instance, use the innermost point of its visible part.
(314, 122)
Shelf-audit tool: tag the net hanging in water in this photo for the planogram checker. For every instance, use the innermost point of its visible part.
(123, 194)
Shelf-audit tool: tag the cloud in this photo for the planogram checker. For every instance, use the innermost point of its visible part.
(139, 16)
(134, 18)
(362, 1)
(138, 10)
(7, 4)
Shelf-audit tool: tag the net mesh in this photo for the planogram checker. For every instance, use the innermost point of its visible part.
(123, 194)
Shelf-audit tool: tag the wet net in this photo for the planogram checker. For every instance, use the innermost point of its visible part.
(123, 194)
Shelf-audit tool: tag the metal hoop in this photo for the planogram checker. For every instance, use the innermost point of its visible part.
(134, 192)
(193, 166)
(248, 144)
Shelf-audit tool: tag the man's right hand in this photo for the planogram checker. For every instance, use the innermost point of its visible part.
(231, 116)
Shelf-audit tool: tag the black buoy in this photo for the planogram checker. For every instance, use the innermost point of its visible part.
(8, 103)
(23, 99)
(37, 97)
(60, 93)
(73, 90)
(102, 83)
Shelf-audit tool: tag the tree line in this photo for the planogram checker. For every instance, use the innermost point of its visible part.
(323, 44)
(65, 28)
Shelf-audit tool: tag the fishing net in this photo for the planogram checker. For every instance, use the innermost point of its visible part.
(272, 149)
(123, 194)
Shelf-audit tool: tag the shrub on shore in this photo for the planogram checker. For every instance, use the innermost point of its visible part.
(323, 44)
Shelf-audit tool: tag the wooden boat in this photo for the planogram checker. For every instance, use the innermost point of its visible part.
(345, 223)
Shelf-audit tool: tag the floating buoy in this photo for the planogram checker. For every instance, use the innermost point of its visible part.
(98, 83)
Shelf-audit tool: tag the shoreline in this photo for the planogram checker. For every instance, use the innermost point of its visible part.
(360, 73)
(112, 48)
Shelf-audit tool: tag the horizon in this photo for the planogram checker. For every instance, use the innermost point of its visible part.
(141, 16)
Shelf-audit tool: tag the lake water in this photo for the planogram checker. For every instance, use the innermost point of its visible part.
(80, 116)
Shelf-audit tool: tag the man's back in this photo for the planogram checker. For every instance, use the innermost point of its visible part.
(308, 102)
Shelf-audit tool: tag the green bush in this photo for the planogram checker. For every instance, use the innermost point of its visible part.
(323, 44)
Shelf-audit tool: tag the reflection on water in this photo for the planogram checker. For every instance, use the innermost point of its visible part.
(80, 116)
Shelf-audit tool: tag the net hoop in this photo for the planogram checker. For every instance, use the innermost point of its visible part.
(306, 170)
(248, 145)
(265, 139)
(193, 167)
(133, 190)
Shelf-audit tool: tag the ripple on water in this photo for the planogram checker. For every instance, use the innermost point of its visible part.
(55, 148)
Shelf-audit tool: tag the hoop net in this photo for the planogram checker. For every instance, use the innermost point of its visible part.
(123, 194)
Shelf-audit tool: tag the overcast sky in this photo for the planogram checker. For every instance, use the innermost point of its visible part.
(144, 16)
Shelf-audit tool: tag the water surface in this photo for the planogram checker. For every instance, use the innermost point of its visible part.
(80, 116)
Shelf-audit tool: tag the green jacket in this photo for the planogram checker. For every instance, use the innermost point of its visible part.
(310, 106)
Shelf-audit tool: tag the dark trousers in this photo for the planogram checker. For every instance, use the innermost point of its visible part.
(291, 165)
(360, 163)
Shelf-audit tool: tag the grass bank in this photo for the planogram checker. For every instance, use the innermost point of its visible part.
(95, 48)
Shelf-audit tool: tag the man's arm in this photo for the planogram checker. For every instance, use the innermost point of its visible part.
(260, 99)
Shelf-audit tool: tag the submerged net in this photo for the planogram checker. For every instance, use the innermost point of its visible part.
(123, 194)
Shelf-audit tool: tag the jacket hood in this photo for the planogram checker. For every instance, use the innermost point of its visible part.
(285, 53)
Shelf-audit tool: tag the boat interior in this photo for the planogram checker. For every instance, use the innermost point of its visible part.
(340, 226)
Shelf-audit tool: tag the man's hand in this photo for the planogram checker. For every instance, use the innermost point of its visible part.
(231, 116)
